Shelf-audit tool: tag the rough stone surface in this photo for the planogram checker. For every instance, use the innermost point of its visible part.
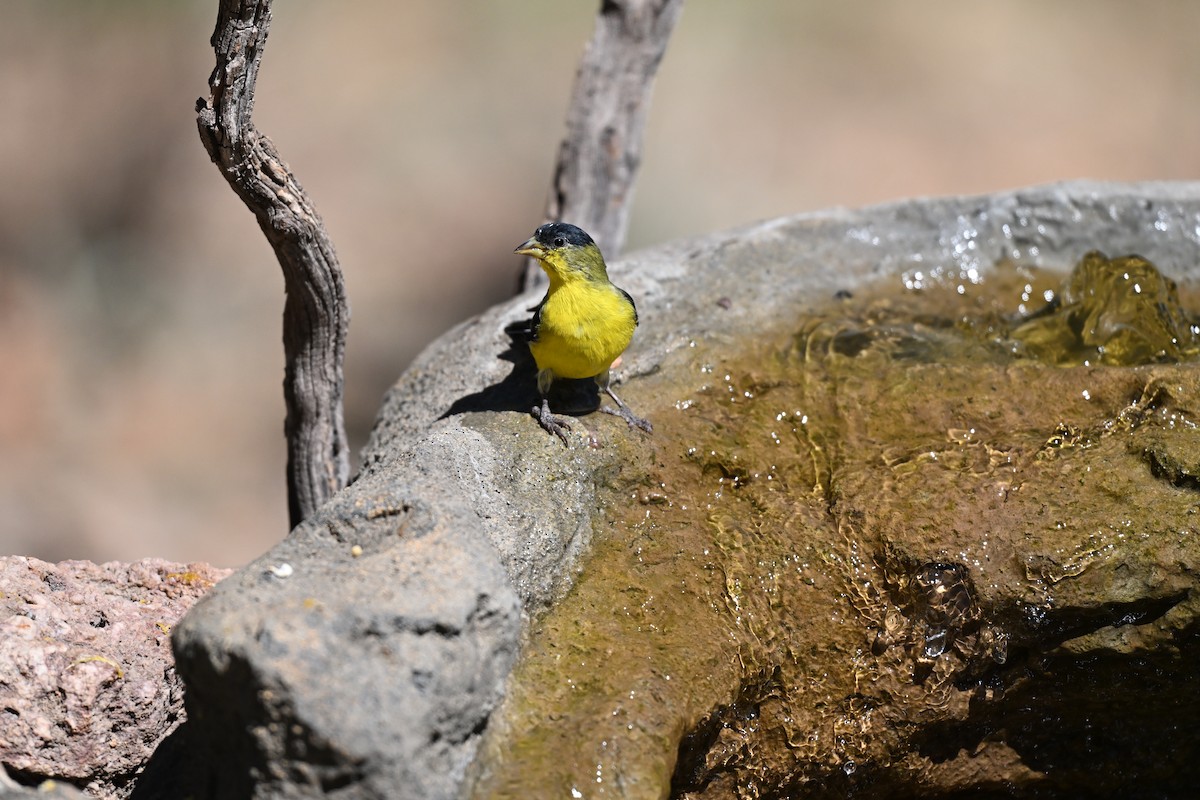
(359, 658)
(318, 672)
(87, 683)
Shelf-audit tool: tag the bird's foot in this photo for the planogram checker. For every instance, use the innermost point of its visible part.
(633, 420)
(556, 425)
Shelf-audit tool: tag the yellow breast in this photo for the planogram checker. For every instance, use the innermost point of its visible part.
(583, 327)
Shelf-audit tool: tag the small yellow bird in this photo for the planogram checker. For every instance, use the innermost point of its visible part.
(582, 324)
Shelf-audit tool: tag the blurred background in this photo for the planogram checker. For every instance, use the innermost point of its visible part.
(141, 411)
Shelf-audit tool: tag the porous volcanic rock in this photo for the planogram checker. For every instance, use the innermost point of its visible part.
(88, 686)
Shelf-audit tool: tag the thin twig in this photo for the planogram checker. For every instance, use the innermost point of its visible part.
(316, 315)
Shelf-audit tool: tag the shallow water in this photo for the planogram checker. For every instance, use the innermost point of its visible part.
(842, 536)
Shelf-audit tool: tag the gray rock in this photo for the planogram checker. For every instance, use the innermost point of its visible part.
(11, 790)
(315, 671)
(360, 657)
(87, 683)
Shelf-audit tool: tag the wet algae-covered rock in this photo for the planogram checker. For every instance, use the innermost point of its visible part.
(886, 540)
(1119, 311)
(865, 549)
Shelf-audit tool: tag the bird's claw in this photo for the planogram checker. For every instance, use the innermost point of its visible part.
(556, 425)
(633, 420)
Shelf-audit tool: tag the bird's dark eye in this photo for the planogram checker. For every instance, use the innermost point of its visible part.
(560, 241)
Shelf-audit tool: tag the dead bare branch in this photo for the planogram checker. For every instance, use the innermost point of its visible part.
(316, 314)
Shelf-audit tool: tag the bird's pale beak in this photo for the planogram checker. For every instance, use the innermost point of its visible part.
(531, 248)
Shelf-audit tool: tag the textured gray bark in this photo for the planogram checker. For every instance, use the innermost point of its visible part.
(316, 314)
(599, 157)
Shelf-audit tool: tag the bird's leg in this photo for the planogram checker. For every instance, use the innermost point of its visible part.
(556, 425)
(622, 410)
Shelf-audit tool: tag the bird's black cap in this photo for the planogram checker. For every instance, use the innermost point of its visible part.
(549, 233)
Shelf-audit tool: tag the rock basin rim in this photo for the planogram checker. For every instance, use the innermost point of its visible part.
(323, 668)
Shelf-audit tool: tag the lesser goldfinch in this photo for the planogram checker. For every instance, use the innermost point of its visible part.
(582, 324)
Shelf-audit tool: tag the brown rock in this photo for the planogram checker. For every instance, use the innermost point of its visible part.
(87, 682)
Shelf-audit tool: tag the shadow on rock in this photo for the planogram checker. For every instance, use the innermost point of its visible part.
(171, 772)
(518, 392)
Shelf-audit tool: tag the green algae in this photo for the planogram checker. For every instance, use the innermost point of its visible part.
(840, 536)
(1119, 311)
